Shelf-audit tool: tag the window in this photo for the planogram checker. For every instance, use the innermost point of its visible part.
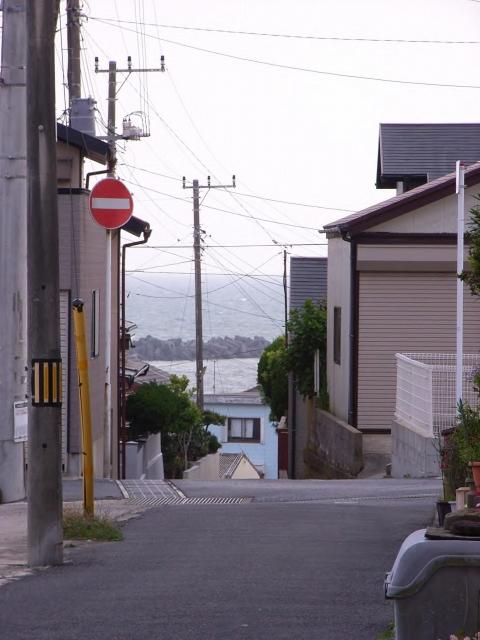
(337, 334)
(244, 429)
(95, 325)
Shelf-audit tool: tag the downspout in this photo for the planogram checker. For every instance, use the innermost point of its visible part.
(122, 435)
(353, 342)
(93, 173)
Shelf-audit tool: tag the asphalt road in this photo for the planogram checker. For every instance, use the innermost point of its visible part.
(270, 569)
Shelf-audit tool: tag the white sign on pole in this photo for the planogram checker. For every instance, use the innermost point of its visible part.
(20, 421)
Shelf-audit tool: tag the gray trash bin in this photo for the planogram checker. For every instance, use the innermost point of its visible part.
(435, 585)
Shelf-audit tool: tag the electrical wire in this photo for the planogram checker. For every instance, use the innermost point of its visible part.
(234, 213)
(278, 65)
(294, 36)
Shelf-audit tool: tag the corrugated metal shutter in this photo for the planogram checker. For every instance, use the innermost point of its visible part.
(65, 354)
(409, 312)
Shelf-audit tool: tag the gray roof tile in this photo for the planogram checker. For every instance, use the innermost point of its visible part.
(424, 150)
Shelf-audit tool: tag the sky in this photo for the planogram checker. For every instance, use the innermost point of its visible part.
(303, 135)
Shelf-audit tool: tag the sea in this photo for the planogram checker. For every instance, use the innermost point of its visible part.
(163, 305)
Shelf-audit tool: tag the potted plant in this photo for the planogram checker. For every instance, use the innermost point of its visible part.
(467, 439)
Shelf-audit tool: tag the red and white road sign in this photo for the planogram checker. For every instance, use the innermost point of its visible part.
(111, 203)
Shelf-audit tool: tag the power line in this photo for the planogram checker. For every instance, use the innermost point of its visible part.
(250, 195)
(215, 304)
(233, 213)
(233, 246)
(295, 36)
(278, 65)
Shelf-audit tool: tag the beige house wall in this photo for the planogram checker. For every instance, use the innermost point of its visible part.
(404, 257)
(437, 217)
(82, 270)
(245, 471)
(338, 296)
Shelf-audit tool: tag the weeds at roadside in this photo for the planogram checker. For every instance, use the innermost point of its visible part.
(77, 526)
(388, 634)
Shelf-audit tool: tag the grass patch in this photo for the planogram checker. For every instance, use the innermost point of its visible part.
(388, 634)
(76, 526)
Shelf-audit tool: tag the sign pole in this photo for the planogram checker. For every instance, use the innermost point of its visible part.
(460, 189)
(111, 206)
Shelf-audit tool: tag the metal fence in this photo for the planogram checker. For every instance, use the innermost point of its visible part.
(426, 395)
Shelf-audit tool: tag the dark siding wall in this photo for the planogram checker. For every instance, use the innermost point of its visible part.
(308, 279)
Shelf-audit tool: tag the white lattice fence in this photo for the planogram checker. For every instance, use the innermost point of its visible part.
(426, 396)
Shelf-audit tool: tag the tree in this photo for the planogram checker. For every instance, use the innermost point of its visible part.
(472, 277)
(308, 329)
(308, 333)
(272, 376)
(170, 410)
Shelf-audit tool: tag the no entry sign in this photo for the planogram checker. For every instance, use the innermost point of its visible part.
(111, 203)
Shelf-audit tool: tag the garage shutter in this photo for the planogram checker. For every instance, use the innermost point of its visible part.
(404, 312)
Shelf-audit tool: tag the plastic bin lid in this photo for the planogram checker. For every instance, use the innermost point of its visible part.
(419, 558)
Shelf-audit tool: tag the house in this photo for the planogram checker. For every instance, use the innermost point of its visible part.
(247, 429)
(392, 288)
(236, 466)
(308, 280)
(82, 257)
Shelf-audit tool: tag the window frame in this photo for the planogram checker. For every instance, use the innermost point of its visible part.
(95, 324)
(256, 430)
(337, 335)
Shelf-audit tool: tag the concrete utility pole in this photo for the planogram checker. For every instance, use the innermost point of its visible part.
(111, 139)
(13, 248)
(45, 535)
(197, 251)
(73, 44)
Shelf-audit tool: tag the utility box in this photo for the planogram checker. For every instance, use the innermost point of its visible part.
(82, 115)
(435, 586)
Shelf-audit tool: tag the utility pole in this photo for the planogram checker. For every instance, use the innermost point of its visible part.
(73, 44)
(285, 295)
(13, 248)
(111, 235)
(45, 535)
(197, 251)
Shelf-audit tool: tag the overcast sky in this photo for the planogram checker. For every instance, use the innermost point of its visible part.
(305, 136)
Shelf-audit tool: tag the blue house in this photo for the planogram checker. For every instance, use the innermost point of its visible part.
(248, 429)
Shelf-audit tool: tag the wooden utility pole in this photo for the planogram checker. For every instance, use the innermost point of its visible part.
(45, 535)
(73, 44)
(13, 247)
(197, 251)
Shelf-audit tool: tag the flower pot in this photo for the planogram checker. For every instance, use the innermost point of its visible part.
(476, 475)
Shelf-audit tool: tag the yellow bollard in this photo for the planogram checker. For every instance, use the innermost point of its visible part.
(85, 413)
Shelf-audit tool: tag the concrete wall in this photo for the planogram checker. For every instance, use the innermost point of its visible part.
(206, 468)
(338, 296)
(144, 459)
(334, 449)
(413, 454)
(263, 454)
